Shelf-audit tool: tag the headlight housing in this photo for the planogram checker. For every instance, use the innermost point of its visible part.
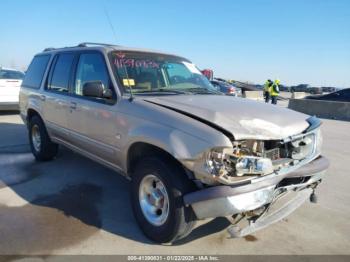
(224, 163)
(248, 165)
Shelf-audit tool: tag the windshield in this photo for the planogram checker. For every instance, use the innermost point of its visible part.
(151, 73)
(11, 74)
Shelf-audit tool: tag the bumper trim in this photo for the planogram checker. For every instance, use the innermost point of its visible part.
(272, 217)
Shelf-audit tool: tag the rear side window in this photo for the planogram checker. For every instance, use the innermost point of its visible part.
(61, 73)
(35, 72)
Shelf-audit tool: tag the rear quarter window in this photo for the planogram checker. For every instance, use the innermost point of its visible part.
(35, 72)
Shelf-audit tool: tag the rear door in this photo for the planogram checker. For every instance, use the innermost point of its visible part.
(92, 121)
(57, 97)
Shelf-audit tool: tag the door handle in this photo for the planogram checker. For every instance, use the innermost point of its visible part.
(42, 97)
(73, 105)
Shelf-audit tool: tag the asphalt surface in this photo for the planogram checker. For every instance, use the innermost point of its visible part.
(74, 206)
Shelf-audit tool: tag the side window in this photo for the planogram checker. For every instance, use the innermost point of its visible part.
(61, 73)
(35, 72)
(91, 67)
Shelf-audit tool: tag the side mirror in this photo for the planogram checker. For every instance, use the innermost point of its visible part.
(107, 93)
(96, 89)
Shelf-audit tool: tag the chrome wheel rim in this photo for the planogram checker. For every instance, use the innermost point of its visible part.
(36, 138)
(154, 200)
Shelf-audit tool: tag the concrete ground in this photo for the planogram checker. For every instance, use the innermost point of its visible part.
(74, 206)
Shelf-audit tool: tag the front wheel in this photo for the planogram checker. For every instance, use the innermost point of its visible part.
(157, 192)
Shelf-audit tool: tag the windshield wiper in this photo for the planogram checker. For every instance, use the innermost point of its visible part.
(161, 90)
(203, 91)
(178, 91)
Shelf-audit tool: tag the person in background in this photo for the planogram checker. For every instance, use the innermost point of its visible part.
(274, 91)
(267, 88)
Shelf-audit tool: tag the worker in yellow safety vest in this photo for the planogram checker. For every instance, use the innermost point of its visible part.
(274, 91)
(267, 87)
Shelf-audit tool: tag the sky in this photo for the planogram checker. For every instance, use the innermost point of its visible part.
(296, 41)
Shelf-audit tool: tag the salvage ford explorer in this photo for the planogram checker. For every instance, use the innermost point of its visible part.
(190, 152)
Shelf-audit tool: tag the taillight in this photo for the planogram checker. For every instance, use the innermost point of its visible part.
(231, 90)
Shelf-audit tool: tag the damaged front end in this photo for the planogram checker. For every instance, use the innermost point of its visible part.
(251, 159)
(248, 180)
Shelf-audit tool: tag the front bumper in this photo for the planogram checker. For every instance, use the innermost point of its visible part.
(271, 216)
(230, 200)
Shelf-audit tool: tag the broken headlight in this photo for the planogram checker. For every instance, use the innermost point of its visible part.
(248, 165)
(231, 164)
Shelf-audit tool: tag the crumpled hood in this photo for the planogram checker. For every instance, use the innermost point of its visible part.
(243, 118)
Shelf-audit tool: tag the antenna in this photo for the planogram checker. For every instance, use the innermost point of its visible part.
(109, 21)
(131, 98)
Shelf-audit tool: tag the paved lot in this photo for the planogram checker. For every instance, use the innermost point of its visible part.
(75, 206)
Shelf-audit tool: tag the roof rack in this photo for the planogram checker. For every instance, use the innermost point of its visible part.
(49, 49)
(85, 44)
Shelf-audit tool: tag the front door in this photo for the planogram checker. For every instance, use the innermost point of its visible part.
(92, 121)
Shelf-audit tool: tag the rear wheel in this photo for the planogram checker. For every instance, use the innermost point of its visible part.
(41, 145)
(157, 192)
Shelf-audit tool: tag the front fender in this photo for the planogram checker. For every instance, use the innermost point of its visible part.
(179, 135)
(182, 146)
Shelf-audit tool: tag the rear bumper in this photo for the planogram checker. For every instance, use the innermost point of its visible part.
(9, 106)
(229, 200)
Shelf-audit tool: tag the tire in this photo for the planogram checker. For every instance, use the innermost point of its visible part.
(180, 219)
(42, 149)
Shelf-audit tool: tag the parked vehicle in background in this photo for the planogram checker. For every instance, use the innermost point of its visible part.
(226, 88)
(190, 152)
(221, 79)
(10, 82)
(208, 73)
(284, 88)
(315, 90)
(339, 96)
(300, 88)
(246, 86)
(329, 89)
